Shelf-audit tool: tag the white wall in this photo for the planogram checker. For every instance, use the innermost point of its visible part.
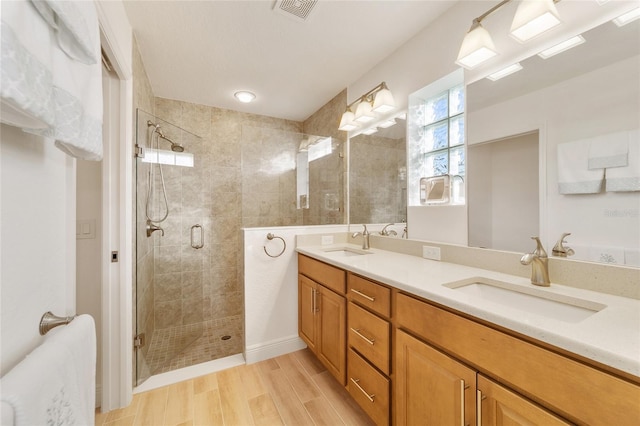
(502, 193)
(89, 252)
(37, 210)
(271, 290)
(566, 112)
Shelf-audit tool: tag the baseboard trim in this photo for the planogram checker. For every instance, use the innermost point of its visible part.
(272, 349)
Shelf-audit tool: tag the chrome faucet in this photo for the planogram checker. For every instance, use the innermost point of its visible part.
(539, 264)
(152, 227)
(365, 237)
(560, 250)
(386, 233)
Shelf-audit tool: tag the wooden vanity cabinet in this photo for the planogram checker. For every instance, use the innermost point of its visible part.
(536, 377)
(322, 313)
(498, 405)
(431, 388)
(369, 340)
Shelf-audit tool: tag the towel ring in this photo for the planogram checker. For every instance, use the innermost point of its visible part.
(50, 321)
(270, 237)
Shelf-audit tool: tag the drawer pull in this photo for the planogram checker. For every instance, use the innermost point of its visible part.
(369, 397)
(366, 339)
(359, 293)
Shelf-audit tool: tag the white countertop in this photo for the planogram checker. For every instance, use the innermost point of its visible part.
(610, 336)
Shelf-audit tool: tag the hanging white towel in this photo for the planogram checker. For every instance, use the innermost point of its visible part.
(610, 150)
(69, 20)
(55, 384)
(26, 77)
(574, 177)
(620, 179)
(66, 102)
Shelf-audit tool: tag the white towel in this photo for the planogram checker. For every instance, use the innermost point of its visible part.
(574, 177)
(626, 178)
(66, 102)
(609, 150)
(68, 19)
(55, 384)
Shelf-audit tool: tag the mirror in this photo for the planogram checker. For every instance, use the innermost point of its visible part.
(378, 176)
(586, 93)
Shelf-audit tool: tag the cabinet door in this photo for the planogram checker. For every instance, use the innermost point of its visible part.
(307, 303)
(331, 342)
(500, 406)
(431, 388)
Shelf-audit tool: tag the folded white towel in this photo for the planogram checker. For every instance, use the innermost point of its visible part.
(609, 150)
(574, 177)
(626, 178)
(65, 103)
(68, 19)
(55, 384)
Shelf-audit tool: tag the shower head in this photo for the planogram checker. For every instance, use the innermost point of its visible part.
(175, 147)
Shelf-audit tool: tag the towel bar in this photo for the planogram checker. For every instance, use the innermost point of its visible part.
(50, 321)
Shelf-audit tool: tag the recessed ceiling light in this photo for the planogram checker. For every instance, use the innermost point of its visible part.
(561, 47)
(244, 96)
(630, 16)
(505, 72)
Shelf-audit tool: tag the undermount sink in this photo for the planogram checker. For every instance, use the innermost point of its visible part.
(346, 251)
(532, 300)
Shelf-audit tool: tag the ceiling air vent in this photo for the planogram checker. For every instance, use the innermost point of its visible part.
(296, 9)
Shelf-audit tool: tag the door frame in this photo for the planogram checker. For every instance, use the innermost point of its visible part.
(117, 210)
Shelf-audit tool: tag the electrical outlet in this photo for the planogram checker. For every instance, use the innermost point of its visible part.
(327, 239)
(430, 252)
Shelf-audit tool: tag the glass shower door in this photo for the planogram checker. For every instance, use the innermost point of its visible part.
(169, 246)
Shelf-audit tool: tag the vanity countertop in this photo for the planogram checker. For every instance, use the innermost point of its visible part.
(610, 336)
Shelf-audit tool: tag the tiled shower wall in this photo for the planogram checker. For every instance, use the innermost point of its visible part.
(377, 187)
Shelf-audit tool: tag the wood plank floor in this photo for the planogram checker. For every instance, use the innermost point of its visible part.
(293, 389)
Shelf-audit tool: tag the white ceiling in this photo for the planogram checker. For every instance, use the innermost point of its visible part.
(204, 51)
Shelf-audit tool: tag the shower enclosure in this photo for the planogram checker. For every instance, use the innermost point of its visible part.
(194, 196)
(174, 284)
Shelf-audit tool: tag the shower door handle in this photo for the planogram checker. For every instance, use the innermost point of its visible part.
(193, 243)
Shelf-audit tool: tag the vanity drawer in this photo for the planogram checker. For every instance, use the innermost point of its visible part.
(369, 294)
(369, 335)
(549, 378)
(369, 388)
(327, 275)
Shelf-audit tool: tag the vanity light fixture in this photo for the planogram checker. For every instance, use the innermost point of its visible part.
(370, 131)
(625, 18)
(244, 96)
(505, 72)
(364, 111)
(374, 104)
(534, 17)
(477, 47)
(601, 2)
(562, 47)
(346, 122)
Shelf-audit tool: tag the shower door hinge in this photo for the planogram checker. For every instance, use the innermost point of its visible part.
(139, 151)
(138, 341)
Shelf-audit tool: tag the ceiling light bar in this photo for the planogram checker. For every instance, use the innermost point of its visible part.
(534, 17)
(601, 2)
(370, 131)
(562, 47)
(505, 72)
(387, 123)
(625, 18)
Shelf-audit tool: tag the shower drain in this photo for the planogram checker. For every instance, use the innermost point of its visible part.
(225, 337)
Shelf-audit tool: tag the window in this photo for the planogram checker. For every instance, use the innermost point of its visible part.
(436, 137)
